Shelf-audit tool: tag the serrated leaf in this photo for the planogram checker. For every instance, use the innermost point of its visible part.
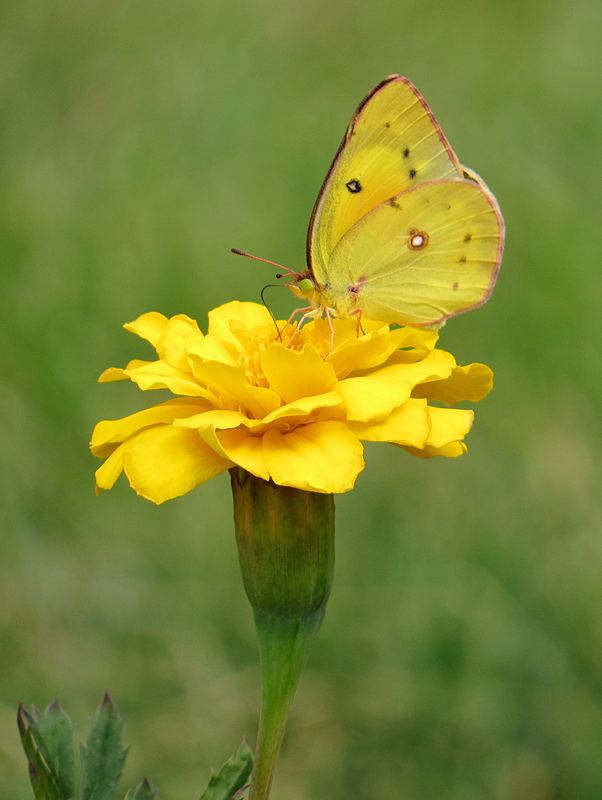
(53, 733)
(41, 776)
(102, 756)
(42, 781)
(232, 776)
(146, 791)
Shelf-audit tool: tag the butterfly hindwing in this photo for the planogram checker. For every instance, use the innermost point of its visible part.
(392, 144)
(422, 256)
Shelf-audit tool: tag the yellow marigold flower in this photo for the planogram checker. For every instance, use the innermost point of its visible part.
(294, 411)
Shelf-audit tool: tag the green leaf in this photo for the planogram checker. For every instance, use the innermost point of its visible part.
(103, 756)
(146, 791)
(42, 779)
(53, 733)
(232, 776)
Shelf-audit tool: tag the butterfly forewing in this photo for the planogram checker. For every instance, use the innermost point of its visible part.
(422, 256)
(392, 144)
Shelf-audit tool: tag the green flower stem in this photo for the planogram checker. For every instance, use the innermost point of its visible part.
(285, 543)
(284, 646)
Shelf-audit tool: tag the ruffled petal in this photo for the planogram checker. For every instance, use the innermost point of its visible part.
(167, 462)
(471, 383)
(324, 457)
(436, 365)
(120, 374)
(161, 375)
(149, 326)
(250, 314)
(410, 424)
(109, 433)
(244, 449)
(372, 398)
(306, 409)
(214, 349)
(451, 450)
(227, 380)
(360, 353)
(448, 425)
(113, 374)
(211, 421)
(180, 332)
(107, 473)
(294, 374)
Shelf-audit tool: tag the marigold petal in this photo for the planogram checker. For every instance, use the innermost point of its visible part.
(217, 418)
(209, 422)
(214, 349)
(372, 398)
(421, 339)
(161, 375)
(243, 449)
(250, 314)
(227, 380)
(451, 450)
(180, 332)
(148, 326)
(307, 409)
(471, 383)
(294, 374)
(410, 424)
(359, 353)
(303, 409)
(107, 473)
(448, 425)
(120, 374)
(322, 457)
(167, 462)
(112, 374)
(436, 365)
(110, 432)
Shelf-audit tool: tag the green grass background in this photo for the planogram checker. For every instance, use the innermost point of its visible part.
(460, 658)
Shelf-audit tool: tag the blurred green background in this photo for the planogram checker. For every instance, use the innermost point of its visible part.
(460, 658)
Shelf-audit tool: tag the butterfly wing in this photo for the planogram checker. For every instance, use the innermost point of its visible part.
(423, 256)
(393, 142)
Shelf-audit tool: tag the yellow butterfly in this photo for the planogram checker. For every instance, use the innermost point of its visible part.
(400, 232)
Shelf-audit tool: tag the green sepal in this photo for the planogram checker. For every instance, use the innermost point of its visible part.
(41, 776)
(232, 776)
(146, 791)
(102, 755)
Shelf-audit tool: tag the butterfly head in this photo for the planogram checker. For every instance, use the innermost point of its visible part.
(303, 285)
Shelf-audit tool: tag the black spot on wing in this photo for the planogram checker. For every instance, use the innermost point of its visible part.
(387, 124)
(462, 259)
(412, 173)
(354, 186)
(468, 237)
(406, 152)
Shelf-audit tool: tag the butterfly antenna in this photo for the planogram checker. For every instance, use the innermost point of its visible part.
(265, 260)
(270, 286)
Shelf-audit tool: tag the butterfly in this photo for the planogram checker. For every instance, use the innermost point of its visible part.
(400, 232)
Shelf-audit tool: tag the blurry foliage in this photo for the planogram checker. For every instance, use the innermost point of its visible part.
(461, 655)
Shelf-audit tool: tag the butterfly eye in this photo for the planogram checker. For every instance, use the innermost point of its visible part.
(418, 240)
(305, 286)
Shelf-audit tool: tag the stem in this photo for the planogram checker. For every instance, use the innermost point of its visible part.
(284, 645)
(285, 540)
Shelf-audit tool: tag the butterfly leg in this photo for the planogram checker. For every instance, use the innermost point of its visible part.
(308, 313)
(329, 318)
(358, 312)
